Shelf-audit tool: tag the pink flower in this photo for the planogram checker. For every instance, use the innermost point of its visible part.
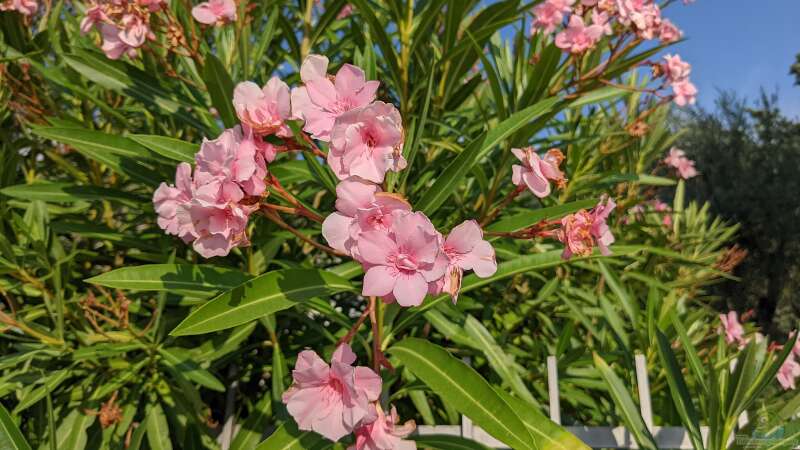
(550, 14)
(113, 46)
(685, 93)
(403, 261)
(788, 372)
(237, 157)
(345, 12)
(215, 12)
(94, 15)
(265, 109)
(384, 433)
(152, 5)
(366, 142)
(675, 68)
(332, 400)
(321, 100)
(600, 18)
(577, 37)
(677, 159)
(643, 15)
(134, 32)
(172, 204)
(219, 218)
(535, 172)
(668, 32)
(24, 7)
(734, 332)
(466, 249)
(360, 206)
(582, 230)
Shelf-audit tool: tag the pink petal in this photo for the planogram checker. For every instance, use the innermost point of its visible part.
(410, 290)
(349, 79)
(314, 67)
(379, 281)
(335, 230)
(464, 236)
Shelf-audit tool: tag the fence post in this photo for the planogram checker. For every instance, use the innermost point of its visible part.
(552, 389)
(643, 383)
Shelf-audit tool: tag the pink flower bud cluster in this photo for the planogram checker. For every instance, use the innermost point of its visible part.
(581, 231)
(677, 73)
(215, 12)
(124, 25)
(24, 7)
(684, 166)
(338, 399)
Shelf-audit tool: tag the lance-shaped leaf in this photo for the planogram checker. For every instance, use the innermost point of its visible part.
(70, 193)
(266, 294)
(220, 89)
(288, 437)
(201, 278)
(10, 436)
(462, 387)
(168, 147)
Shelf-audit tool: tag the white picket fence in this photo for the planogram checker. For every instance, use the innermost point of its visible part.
(595, 437)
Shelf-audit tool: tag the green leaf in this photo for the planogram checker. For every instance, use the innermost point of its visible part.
(157, 428)
(630, 306)
(10, 436)
(168, 147)
(71, 434)
(462, 387)
(630, 414)
(119, 153)
(501, 362)
(525, 219)
(253, 427)
(181, 360)
(201, 278)
(220, 89)
(68, 193)
(547, 435)
(456, 172)
(52, 381)
(288, 437)
(680, 393)
(445, 442)
(266, 294)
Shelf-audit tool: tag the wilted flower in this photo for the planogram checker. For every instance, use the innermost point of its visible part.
(581, 231)
(215, 12)
(366, 142)
(332, 400)
(321, 100)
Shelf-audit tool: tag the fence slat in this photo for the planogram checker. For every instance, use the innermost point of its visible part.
(552, 389)
(643, 384)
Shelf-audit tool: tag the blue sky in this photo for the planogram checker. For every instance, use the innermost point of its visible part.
(740, 45)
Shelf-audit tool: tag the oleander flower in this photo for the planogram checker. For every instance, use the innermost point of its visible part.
(549, 14)
(266, 109)
(332, 400)
(788, 373)
(668, 32)
(643, 15)
(678, 160)
(219, 217)
(384, 433)
(215, 12)
(320, 101)
(601, 19)
(237, 157)
(581, 231)
(536, 172)
(113, 46)
(675, 68)
(360, 206)
(95, 14)
(24, 7)
(466, 249)
(402, 262)
(367, 142)
(577, 37)
(135, 31)
(172, 203)
(685, 93)
(734, 332)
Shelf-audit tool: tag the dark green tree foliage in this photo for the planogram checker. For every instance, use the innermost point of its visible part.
(749, 159)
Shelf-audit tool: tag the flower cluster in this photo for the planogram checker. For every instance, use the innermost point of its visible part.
(677, 73)
(338, 399)
(642, 17)
(211, 207)
(215, 12)
(581, 231)
(124, 25)
(24, 7)
(684, 166)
